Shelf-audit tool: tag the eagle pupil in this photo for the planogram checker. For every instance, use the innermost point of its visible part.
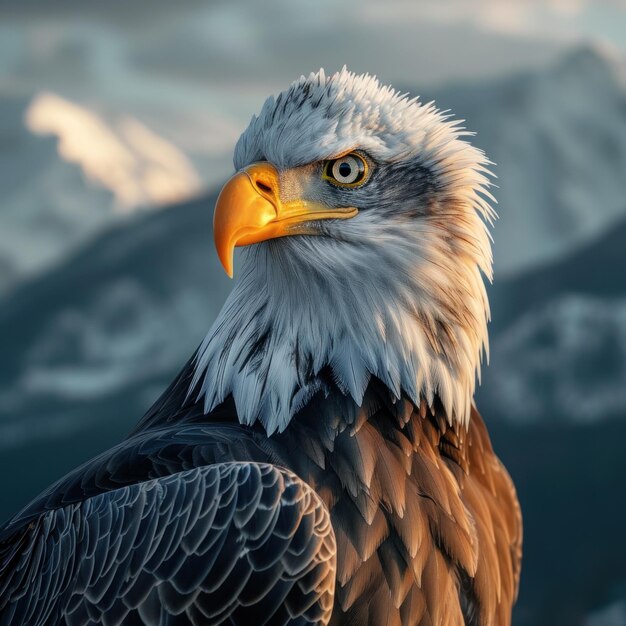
(345, 170)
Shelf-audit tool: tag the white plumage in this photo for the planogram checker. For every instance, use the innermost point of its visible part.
(383, 293)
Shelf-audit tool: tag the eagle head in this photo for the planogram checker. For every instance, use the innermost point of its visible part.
(362, 217)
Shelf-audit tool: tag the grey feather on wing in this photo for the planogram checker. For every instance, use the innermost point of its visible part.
(227, 543)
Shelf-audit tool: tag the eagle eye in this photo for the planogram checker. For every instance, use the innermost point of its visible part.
(349, 170)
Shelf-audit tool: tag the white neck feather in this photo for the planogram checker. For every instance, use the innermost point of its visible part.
(412, 312)
(395, 296)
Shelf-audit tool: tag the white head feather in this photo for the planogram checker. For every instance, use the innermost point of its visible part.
(395, 295)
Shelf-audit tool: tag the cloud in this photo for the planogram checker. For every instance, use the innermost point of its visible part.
(565, 19)
(138, 166)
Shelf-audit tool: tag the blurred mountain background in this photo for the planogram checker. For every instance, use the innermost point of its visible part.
(117, 124)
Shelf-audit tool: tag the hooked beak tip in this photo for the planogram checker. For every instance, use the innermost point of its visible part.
(226, 259)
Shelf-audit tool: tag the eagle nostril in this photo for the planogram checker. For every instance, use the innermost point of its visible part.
(263, 186)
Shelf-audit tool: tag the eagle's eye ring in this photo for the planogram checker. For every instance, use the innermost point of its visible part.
(349, 170)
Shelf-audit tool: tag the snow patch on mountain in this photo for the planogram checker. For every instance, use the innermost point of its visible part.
(611, 615)
(48, 207)
(124, 336)
(564, 361)
(67, 174)
(136, 165)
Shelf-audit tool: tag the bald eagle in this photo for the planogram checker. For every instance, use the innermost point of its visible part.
(319, 459)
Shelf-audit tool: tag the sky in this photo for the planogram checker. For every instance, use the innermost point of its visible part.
(191, 74)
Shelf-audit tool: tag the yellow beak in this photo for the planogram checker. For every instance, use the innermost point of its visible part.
(249, 210)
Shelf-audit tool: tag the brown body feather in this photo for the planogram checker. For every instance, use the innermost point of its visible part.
(444, 545)
(427, 521)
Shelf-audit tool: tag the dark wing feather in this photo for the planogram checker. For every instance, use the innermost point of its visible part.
(232, 543)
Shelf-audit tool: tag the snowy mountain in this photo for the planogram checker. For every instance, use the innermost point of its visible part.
(558, 138)
(87, 347)
(558, 339)
(47, 206)
(564, 361)
(131, 306)
(67, 174)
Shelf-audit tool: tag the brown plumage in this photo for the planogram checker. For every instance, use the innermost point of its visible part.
(426, 518)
